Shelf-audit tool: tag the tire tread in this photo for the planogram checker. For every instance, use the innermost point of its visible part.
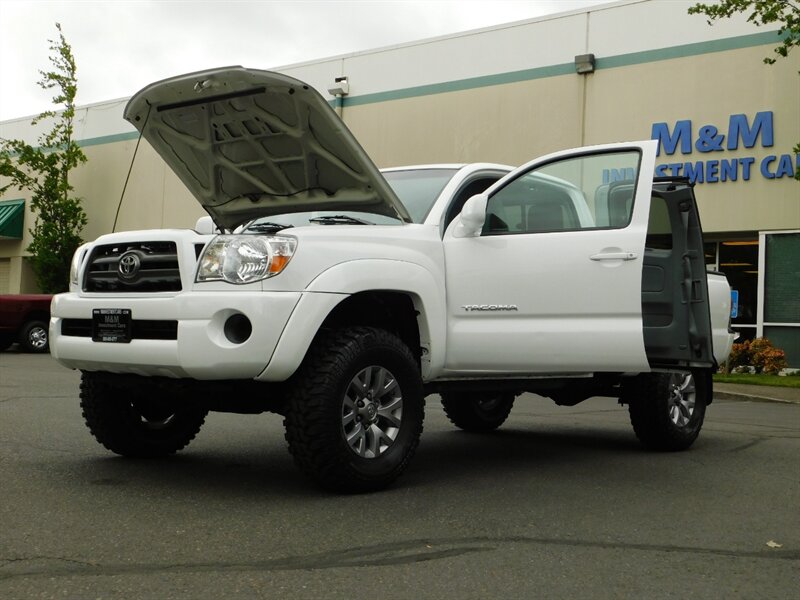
(105, 411)
(647, 398)
(463, 412)
(314, 444)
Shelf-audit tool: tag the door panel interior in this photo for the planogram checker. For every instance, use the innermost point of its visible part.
(675, 311)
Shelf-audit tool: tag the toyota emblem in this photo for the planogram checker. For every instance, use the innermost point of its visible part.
(128, 266)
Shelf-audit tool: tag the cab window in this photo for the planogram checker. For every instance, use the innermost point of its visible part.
(576, 193)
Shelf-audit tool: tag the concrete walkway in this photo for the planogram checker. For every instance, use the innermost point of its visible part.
(740, 391)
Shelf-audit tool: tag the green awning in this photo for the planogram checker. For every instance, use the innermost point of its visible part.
(12, 214)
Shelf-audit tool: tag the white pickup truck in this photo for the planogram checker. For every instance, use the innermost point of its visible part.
(340, 296)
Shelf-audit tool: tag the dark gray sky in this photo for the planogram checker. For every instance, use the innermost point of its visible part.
(121, 46)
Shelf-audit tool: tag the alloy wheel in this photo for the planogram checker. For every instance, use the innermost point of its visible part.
(682, 395)
(372, 412)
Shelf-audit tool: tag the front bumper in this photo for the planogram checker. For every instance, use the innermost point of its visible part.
(200, 349)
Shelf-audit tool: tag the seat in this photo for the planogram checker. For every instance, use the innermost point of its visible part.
(550, 214)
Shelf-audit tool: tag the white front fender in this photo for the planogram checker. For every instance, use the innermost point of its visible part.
(335, 284)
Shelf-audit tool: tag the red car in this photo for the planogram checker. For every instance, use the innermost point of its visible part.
(25, 318)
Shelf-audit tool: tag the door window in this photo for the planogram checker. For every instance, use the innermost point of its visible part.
(584, 192)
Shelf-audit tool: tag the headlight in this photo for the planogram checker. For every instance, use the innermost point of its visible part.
(245, 258)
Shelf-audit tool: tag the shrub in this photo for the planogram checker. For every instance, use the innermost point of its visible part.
(739, 357)
(758, 354)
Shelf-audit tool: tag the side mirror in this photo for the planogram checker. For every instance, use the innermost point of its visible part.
(472, 217)
(205, 225)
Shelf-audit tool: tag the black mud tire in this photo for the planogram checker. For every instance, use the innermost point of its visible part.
(477, 412)
(667, 409)
(319, 414)
(136, 424)
(35, 337)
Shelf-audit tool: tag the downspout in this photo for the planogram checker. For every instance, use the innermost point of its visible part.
(584, 65)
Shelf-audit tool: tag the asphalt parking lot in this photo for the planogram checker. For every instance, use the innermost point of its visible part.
(560, 502)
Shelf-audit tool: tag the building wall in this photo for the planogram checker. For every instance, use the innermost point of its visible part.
(707, 90)
(153, 198)
(506, 94)
(515, 122)
(508, 123)
(510, 93)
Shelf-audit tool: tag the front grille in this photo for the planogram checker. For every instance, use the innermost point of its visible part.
(133, 267)
(141, 329)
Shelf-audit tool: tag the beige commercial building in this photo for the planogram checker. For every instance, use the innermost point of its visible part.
(629, 70)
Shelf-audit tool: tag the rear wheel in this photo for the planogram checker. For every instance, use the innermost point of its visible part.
(136, 424)
(667, 409)
(477, 411)
(354, 415)
(34, 337)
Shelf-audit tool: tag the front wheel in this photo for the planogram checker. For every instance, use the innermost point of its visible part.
(136, 424)
(667, 409)
(354, 413)
(477, 411)
(34, 337)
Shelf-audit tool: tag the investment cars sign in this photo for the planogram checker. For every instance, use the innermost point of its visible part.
(703, 150)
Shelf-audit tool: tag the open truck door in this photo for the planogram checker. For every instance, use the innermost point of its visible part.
(557, 273)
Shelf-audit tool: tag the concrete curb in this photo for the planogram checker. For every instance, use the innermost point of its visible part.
(757, 393)
(751, 398)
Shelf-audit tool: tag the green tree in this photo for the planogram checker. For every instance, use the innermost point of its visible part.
(44, 171)
(761, 12)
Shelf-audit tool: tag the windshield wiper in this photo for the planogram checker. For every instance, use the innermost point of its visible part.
(339, 220)
(267, 226)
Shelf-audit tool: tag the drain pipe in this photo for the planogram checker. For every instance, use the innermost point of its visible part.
(584, 65)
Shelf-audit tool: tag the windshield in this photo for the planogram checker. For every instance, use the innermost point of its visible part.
(318, 217)
(418, 189)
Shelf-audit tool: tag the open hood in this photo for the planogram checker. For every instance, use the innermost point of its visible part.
(250, 143)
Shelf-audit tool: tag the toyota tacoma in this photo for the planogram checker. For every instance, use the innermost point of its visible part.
(340, 296)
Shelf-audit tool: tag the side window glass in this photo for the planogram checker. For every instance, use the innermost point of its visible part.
(464, 194)
(594, 191)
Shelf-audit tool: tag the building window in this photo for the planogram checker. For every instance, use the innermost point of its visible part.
(710, 251)
(781, 316)
(738, 259)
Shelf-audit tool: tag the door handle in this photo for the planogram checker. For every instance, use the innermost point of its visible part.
(614, 256)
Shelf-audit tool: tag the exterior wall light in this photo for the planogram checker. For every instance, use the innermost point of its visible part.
(340, 87)
(584, 63)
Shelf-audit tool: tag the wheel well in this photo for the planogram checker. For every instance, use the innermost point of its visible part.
(35, 316)
(392, 311)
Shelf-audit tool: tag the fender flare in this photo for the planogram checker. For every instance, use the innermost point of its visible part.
(343, 280)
